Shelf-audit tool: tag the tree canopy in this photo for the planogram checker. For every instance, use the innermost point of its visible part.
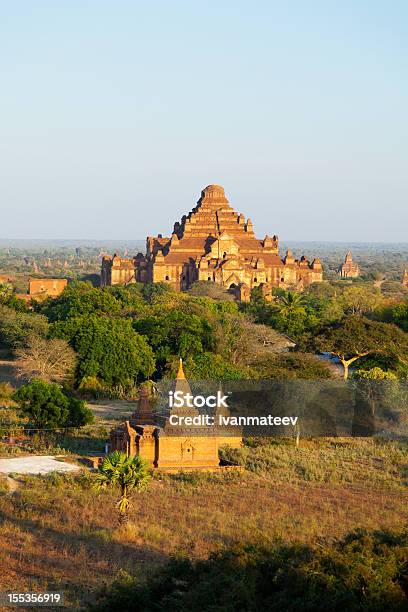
(123, 335)
(107, 348)
(176, 333)
(51, 360)
(365, 571)
(79, 298)
(8, 298)
(17, 327)
(46, 406)
(354, 337)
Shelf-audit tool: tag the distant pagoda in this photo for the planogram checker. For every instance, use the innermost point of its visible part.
(349, 269)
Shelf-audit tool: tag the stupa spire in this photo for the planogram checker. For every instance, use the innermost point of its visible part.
(180, 373)
(182, 385)
(143, 415)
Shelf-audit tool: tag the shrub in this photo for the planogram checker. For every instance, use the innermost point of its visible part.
(6, 393)
(91, 385)
(46, 406)
(363, 572)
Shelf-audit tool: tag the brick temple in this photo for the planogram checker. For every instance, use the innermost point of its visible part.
(172, 448)
(349, 269)
(46, 287)
(213, 243)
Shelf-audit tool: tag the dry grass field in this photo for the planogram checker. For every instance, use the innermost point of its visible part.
(56, 532)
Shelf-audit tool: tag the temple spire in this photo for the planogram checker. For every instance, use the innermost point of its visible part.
(180, 373)
(143, 415)
(182, 385)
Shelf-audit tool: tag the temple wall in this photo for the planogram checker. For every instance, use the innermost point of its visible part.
(51, 287)
(147, 445)
(179, 452)
(120, 276)
(173, 275)
(349, 271)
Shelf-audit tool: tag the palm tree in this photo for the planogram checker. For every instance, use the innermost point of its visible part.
(289, 302)
(127, 473)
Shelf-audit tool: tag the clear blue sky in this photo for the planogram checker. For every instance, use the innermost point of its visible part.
(115, 114)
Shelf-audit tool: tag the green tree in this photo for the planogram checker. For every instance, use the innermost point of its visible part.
(208, 307)
(289, 303)
(399, 315)
(129, 297)
(360, 299)
(293, 315)
(295, 365)
(363, 572)
(323, 299)
(118, 470)
(79, 414)
(378, 389)
(152, 291)
(8, 298)
(207, 366)
(290, 314)
(355, 337)
(17, 327)
(176, 333)
(46, 406)
(107, 348)
(374, 374)
(5, 291)
(79, 298)
(258, 297)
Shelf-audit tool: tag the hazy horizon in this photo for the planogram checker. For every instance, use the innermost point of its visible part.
(115, 115)
(95, 242)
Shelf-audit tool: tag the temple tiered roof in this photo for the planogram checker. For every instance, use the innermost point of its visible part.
(214, 242)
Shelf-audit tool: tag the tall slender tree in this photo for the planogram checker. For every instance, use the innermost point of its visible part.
(118, 470)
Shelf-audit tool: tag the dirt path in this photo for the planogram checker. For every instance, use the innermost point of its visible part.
(35, 464)
(112, 410)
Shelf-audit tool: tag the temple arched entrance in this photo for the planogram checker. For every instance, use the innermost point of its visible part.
(232, 280)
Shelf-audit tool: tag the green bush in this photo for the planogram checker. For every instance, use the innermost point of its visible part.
(90, 385)
(46, 406)
(363, 572)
